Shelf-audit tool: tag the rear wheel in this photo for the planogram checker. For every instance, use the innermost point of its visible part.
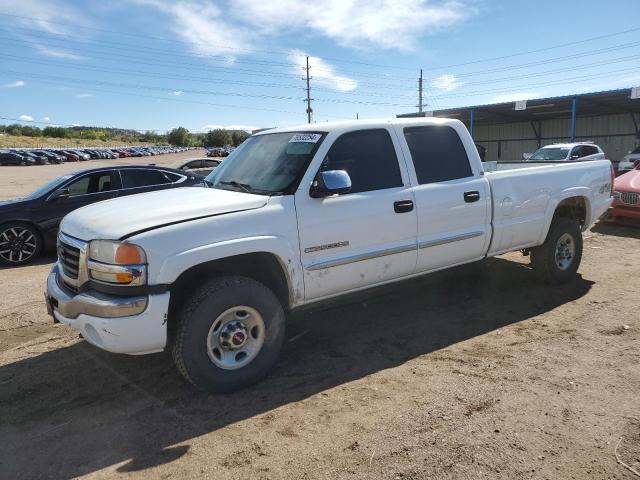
(229, 334)
(558, 258)
(19, 243)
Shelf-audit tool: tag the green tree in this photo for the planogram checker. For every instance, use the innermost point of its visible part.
(14, 129)
(238, 137)
(217, 138)
(179, 137)
(56, 132)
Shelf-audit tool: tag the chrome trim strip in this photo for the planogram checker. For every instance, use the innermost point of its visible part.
(445, 240)
(362, 256)
(139, 272)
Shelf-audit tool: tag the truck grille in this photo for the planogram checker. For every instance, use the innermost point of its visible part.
(630, 198)
(69, 257)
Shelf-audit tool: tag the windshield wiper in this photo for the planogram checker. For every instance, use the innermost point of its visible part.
(242, 186)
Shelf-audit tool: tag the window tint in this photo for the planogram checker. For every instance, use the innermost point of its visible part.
(368, 157)
(193, 164)
(437, 153)
(142, 178)
(211, 163)
(95, 183)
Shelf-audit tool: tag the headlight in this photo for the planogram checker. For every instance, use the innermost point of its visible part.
(117, 263)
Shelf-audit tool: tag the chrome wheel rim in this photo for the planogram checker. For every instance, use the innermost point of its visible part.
(565, 251)
(235, 337)
(17, 244)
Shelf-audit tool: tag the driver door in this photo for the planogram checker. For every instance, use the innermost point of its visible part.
(368, 235)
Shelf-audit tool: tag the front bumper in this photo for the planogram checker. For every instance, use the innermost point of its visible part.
(119, 324)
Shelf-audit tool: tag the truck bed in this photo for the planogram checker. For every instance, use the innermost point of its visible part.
(525, 194)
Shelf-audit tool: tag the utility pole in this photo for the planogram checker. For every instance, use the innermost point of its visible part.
(309, 110)
(420, 92)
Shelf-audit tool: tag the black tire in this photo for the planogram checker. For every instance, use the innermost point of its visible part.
(196, 317)
(27, 249)
(544, 258)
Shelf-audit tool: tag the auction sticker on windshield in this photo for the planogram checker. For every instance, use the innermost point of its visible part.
(306, 137)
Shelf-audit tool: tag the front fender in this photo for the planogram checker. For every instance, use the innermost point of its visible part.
(288, 256)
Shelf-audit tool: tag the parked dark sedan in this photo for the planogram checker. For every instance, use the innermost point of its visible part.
(29, 225)
(14, 158)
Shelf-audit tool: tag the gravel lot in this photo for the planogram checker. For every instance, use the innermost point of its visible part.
(475, 372)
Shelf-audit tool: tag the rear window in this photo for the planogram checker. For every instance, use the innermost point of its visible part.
(143, 178)
(437, 153)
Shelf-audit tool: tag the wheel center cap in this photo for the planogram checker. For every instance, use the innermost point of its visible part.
(238, 339)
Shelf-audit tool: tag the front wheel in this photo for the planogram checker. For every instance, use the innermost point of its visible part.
(19, 243)
(229, 334)
(558, 258)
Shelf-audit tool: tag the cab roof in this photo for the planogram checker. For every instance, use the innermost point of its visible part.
(364, 123)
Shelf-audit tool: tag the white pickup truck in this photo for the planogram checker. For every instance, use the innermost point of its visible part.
(298, 215)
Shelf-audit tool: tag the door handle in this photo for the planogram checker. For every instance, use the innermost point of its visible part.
(472, 196)
(403, 206)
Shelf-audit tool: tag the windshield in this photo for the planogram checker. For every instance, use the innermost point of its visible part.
(52, 185)
(550, 153)
(267, 164)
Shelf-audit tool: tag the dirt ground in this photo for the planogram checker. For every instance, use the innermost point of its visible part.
(476, 372)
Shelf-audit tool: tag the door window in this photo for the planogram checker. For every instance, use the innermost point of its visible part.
(437, 153)
(211, 163)
(94, 183)
(143, 178)
(368, 156)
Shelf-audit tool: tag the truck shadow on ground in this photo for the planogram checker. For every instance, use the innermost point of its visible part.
(628, 229)
(82, 409)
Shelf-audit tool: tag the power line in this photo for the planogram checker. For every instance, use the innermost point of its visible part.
(287, 53)
(186, 90)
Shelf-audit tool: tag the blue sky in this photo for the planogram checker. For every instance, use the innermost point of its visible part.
(154, 64)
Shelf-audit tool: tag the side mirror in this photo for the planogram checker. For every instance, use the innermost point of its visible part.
(60, 193)
(331, 182)
(574, 157)
(526, 156)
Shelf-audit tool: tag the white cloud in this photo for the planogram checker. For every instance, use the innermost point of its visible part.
(177, 93)
(16, 84)
(233, 27)
(205, 27)
(246, 128)
(395, 24)
(50, 15)
(322, 72)
(57, 52)
(445, 83)
(514, 97)
(46, 119)
(84, 95)
(25, 118)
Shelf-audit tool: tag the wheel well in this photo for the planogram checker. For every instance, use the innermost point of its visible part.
(574, 208)
(261, 266)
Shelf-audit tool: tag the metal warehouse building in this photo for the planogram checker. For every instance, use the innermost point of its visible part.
(507, 130)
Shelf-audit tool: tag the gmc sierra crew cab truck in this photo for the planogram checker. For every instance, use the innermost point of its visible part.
(299, 215)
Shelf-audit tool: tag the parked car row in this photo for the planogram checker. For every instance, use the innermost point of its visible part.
(43, 156)
(219, 151)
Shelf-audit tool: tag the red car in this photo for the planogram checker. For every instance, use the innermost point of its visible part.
(626, 195)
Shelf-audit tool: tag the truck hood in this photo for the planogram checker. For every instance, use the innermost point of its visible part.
(629, 182)
(122, 217)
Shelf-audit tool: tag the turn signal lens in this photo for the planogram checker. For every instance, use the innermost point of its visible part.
(124, 277)
(127, 254)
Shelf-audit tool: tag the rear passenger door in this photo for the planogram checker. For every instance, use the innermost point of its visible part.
(453, 202)
(140, 180)
(366, 236)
